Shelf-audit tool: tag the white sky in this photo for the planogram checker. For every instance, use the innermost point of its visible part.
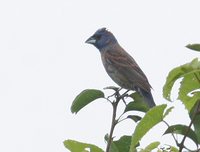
(44, 64)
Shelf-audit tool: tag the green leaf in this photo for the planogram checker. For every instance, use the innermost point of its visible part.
(173, 149)
(138, 104)
(168, 148)
(75, 146)
(197, 127)
(195, 112)
(151, 118)
(84, 98)
(151, 147)
(187, 93)
(113, 148)
(182, 130)
(112, 88)
(195, 47)
(122, 145)
(185, 71)
(168, 111)
(134, 117)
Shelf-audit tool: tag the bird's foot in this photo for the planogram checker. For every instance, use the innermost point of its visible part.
(125, 94)
(116, 94)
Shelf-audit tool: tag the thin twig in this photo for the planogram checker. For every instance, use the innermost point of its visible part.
(120, 116)
(114, 121)
(121, 120)
(181, 145)
(108, 100)
(172, 133)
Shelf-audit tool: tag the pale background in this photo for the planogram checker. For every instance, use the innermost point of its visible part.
(44, 64)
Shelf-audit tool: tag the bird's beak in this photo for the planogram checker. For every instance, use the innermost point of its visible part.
(91, 40)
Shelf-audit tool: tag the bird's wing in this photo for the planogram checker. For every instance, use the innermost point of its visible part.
(127, 66)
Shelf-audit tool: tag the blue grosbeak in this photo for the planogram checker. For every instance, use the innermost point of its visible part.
(120, 66)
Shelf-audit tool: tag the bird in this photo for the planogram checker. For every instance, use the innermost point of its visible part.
(120, 65)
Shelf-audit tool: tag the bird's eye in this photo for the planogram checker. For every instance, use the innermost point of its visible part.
(98, 37)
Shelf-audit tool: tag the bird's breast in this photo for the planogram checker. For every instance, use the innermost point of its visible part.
(114, 73)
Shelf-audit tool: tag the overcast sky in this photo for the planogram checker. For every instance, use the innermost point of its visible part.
(44, 64)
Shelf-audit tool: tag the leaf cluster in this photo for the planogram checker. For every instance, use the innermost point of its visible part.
(189, 94)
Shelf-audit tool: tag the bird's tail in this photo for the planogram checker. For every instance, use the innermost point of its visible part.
(148, 98)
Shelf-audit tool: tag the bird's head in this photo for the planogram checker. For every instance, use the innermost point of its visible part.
(101, 38)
